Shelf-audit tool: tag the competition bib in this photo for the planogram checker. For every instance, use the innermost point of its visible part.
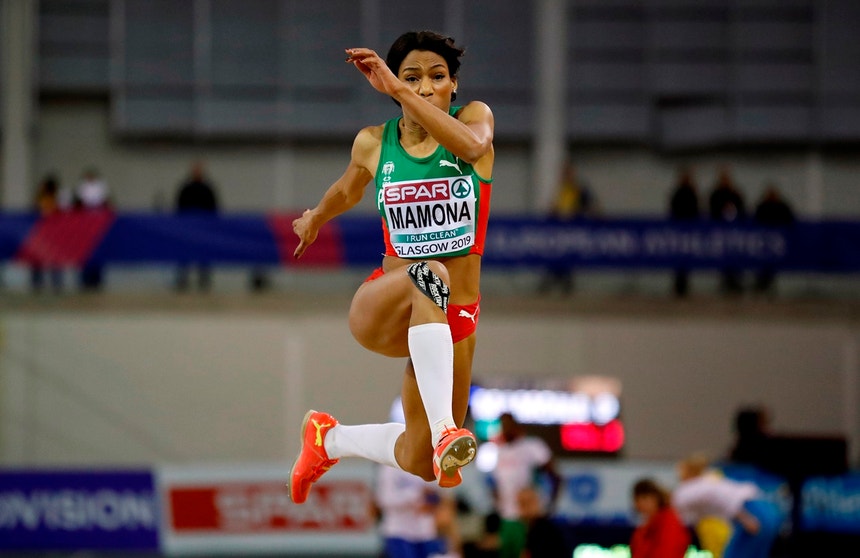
(430, 217)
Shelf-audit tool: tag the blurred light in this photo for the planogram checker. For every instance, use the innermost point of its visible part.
(488, 456)
(608, 438)
(532, 406)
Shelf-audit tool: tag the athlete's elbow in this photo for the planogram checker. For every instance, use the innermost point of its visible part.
(473, 152)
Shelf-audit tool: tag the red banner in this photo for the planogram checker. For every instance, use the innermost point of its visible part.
(257, 507)
(65, 238)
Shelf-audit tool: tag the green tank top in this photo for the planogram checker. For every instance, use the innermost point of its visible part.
(434, 206)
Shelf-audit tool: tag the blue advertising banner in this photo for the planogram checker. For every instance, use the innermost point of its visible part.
(660, 244)
(78, 510)
(831, 504)
(350, 240)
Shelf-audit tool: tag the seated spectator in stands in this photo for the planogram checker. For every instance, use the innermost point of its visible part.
(726, 205)
(704, 493)
(92, 194)
(661, 533)
(47, 204)
(196, 196)
(684, 207)
(544, 537)
(772, 211)
(573, 200)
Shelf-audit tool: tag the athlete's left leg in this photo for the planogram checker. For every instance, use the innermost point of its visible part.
(414, 450)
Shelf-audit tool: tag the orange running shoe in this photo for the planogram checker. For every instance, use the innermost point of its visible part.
(312, 461)
(456, 449)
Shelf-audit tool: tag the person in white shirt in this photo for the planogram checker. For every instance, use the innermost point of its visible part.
(519, 460)
(92, 195)
(704, 493)
(92, 192)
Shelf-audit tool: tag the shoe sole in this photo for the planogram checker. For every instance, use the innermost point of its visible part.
(458, 454)
(301, 449)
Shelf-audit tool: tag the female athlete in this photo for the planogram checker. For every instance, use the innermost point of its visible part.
(432, 168)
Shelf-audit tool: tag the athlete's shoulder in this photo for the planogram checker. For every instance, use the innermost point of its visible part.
(474, 110)
(369, 136)
(366, 146)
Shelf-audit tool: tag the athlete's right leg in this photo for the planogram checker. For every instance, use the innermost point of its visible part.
(398, 314)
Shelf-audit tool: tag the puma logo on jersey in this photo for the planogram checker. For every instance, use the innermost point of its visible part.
(444, 163)
(464, 314)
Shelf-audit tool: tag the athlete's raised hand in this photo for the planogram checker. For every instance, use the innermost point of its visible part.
(306, 230)
(374, 69)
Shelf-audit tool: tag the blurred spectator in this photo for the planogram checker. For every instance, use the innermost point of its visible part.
(704, 493)
(713, 534)
(772, 211)
(410, 510)
(544, 537)
(684, 207)
(92, 194)
(727, 206)
(661, 533)
(417, 518)
(751, 435)
(489, 543)
(520, 461)
(574, 200)
(47, 204)
(196, 196)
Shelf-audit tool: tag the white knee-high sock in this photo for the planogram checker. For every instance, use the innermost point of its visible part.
(370, 441)
(432, 353)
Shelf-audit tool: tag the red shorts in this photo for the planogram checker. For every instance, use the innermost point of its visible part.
(463, 319)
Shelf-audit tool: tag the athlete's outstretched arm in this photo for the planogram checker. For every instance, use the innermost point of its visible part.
(470, 137)
(342, 195)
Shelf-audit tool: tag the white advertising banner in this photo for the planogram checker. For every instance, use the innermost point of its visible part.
(600, 491)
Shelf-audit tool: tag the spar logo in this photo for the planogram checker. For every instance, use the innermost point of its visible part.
(461, 188)
(417, 192)
(251, 507)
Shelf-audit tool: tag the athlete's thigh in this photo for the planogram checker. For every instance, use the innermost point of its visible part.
(380, 312)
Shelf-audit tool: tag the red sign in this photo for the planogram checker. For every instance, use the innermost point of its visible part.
(608, 438)
(254, 507)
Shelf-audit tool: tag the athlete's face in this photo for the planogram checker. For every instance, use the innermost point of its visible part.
(427, 74)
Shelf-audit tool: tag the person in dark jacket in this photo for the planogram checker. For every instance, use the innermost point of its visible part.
(726, 205)
(684, 207)
(771, 211)
(544, 537)
(196, 196)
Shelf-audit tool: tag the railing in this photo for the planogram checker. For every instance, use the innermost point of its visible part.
(79, 238)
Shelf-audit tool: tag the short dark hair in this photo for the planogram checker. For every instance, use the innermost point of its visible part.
(430, 41)
(425, 40)
(649, 487)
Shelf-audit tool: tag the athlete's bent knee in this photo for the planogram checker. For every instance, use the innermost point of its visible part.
(431, 281)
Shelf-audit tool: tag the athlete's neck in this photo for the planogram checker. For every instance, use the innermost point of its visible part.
(411, 133)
